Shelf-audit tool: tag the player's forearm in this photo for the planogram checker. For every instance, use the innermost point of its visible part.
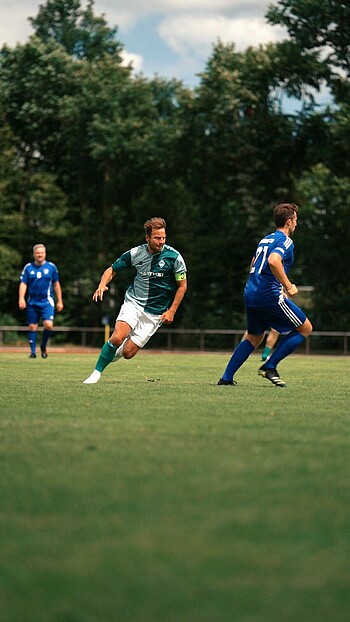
(106, 277)
(22, 292)
(178, 298)
(58, 293)
(277, 269)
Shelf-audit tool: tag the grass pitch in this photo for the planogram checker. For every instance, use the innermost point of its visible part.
(158, 496)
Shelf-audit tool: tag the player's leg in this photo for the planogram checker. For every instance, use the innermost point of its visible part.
(47, 314)
(109, 351)
(32, 334)
(289, 343)
(47, 332)
(239, 356)
(127, 339)
(288, 317)
(113, 349)
(269, 344)
(33, 321)
(251, 340)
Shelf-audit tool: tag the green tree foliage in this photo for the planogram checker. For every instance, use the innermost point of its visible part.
(324, 239)
(83, 35)
(319, 29)
(236, 172)
(88, 152)
(321, 25)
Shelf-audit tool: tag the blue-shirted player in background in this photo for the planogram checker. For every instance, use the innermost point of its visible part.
(39, 282)
(266, 303)
(150, 301)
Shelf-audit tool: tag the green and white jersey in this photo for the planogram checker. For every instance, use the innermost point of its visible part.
(154, 285)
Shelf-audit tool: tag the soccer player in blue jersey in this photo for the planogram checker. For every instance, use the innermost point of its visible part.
(267, 300)
(150, 301)
(39, 282)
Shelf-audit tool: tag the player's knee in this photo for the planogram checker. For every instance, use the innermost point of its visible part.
(116, 340)
(130, 349)
(306, 329)
(255, 340)
(310, 328)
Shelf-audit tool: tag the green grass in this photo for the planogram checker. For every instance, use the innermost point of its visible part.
(157, 496)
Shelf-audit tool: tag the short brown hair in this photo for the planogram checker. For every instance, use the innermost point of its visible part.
(154, 223)
(283, 212)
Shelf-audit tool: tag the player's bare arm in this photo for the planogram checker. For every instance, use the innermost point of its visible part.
(277, 269)
(21, 296)
(168, 316)
(58, 293)
(106, 278)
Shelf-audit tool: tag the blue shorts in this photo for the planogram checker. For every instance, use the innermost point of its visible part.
(284, 317)
(36, 310)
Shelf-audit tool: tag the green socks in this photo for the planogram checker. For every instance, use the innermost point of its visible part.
(266, 353)
(107, 355)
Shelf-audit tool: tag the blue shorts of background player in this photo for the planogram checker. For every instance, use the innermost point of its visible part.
(283, 318)
(40, 310)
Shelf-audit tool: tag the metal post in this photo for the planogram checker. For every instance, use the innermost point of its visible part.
(107, 332)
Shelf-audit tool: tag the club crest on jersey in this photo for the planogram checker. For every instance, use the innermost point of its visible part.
(46, 271)
(161, 263)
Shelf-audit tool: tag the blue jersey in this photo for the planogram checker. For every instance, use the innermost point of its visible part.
(154, 285)
(262, 288)
(39, 281)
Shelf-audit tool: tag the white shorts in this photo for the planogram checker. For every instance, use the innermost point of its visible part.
(143, 325)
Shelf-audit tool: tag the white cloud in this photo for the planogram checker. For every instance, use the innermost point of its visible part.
(14, 24)
(192, 34)
(136, 60)
(126, 13)
(143, 7)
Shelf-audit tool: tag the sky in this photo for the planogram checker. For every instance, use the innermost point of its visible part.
(170, 38)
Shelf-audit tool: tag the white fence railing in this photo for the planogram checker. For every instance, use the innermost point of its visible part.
(200, 335)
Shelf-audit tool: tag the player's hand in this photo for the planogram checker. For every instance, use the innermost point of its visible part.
(59, 306)
(98, 295)
(293, 290)
(22, 304)
(167, 317)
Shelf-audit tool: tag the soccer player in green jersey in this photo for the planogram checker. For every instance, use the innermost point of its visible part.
(150, 301)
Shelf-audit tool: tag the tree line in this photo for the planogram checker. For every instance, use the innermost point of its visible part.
(89, 151)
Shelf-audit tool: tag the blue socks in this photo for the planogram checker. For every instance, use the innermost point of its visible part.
(46, 336)
(32, 340)
(239, 356)
(288, 344)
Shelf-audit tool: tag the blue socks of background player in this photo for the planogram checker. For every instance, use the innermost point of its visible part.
(239, 356)
(46, 336)
(32, 337)
(32, 340)
(286, 346)
(107, 355)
